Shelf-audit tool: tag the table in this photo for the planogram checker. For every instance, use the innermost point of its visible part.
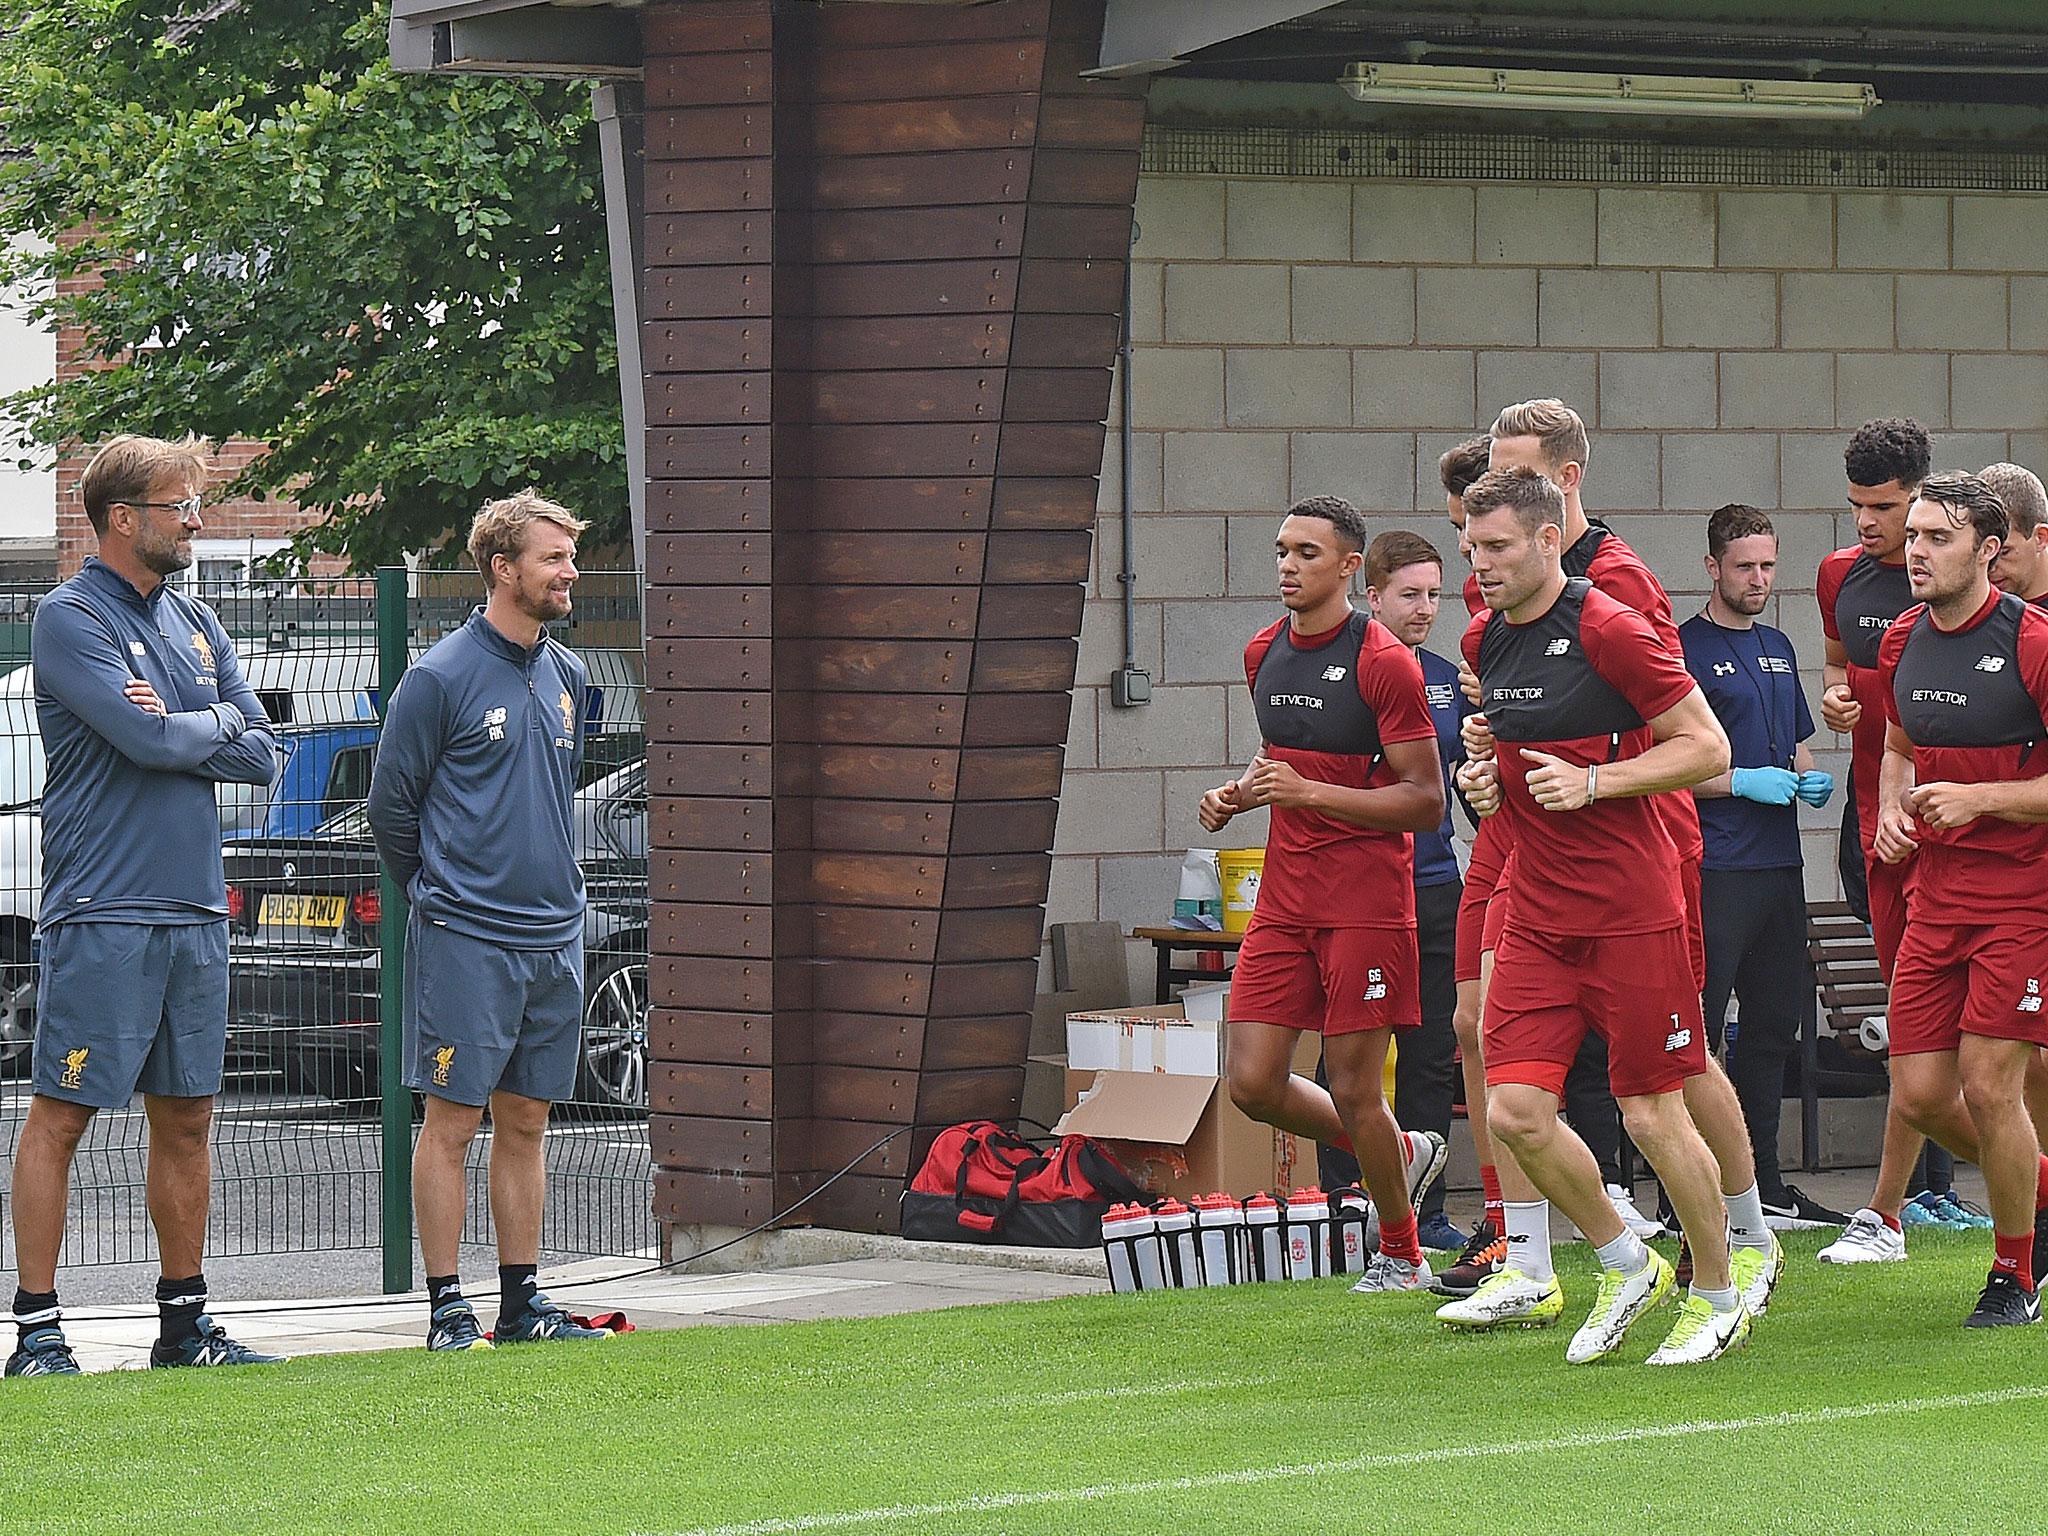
(1165, 941)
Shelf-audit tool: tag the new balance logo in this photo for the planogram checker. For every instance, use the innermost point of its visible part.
(1557, 647)
(1724, 669)
(1678, 1040)
(1990, 663)
(2031, 1003)
(1333, 674)
(1375, 985)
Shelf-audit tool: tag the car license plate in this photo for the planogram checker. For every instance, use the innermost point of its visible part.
(300, 911)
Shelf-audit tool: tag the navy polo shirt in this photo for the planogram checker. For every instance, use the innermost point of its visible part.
(1435, 861)
(1751, 679)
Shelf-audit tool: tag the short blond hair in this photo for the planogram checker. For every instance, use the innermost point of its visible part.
(129, 466)
(500, 528)
(1553, 424)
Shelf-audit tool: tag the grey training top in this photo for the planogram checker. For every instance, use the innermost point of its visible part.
(473, 797)
(131, 832)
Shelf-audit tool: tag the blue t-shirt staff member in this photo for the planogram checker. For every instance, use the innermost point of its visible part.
(1752, 879)
(472, 805)
(1404, 580)
(143, 709)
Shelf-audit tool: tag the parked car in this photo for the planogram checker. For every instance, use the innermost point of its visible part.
(305, 969)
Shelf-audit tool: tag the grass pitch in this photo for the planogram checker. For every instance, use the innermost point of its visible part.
(1860, 1406)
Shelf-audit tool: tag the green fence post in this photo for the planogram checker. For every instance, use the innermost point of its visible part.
(393, 631)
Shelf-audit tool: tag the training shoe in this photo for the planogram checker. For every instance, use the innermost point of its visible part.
(540, 1320)
(1795, 1211)
(43, 1352)
(454, 1326)
(1920, 1211)
(1701, 1333)
(1868, 1239)
(1645, 1227)
(1507, 1299)
(1755, 1272)
(1960, 1214)
(1387, 1273)
(1486, 1251)
(1438, 1235)
(1622, 1299)
(2005, 1304)
(1427, 1154)
(2040, 1244)
(209, 1346)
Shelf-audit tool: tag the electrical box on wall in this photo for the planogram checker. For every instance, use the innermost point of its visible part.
(1129, 687)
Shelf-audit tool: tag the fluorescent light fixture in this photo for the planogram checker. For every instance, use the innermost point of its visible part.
(1554, 90)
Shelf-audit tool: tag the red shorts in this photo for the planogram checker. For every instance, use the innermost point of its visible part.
(1634, 988)
(1476, 906)
(1335, 981)
(1887, 885)
(1951, 980)
(1695, 922)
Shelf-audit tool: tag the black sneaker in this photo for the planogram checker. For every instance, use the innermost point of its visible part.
(454, 1326)
(1485, 1252)
(209, 1346)
(2040, 1244)
(541, 1321)
(1796, 1211)
(43, 1352)
(2005, 1304)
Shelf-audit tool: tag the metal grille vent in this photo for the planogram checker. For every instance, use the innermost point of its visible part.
(1172, 149)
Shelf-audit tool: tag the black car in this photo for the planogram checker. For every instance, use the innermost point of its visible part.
(304, 915)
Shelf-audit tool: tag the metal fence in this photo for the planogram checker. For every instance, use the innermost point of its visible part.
(306, 1130)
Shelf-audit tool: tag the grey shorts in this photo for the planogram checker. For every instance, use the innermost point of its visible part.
(480, 1017)
(122, 1006)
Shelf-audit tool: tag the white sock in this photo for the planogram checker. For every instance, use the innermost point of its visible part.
(1626, 1254)
(1746, 1228)
(1720, 1301)
(1529, 1239)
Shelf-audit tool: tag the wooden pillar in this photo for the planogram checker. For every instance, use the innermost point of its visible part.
(885, 251)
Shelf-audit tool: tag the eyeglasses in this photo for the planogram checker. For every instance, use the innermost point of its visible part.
(187, 509)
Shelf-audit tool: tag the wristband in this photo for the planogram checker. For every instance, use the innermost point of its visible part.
(1592, 782)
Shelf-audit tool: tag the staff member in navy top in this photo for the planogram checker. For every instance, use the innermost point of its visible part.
(1753, 883)
(143, 709)
(473, 807)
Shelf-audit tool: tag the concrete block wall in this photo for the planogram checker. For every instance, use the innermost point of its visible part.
(1295, 337)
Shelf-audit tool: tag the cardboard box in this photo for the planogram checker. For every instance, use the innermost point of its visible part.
(1180, 1135)
(1155, 1039)
(1206, 1003)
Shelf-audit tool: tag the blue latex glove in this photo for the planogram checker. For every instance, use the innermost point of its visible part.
(1766, 786)
(1816, 787)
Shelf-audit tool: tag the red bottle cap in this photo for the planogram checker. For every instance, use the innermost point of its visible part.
(1309, 1196)
(1262, 1201)
(1171, 1207)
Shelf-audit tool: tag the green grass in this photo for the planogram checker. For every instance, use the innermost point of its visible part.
(705, 1427)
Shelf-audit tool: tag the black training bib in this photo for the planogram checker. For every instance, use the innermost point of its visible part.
(1539, 685)
(1964, 689)
(1308, 699)
(1871, 598)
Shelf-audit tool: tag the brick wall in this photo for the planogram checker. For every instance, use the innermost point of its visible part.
(1305, 336)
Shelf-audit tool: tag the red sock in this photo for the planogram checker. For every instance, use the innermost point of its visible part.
(1891, 1219)
(1496, 1208)
(2041, 1186)
(2016, 1258)
(1398, 1239)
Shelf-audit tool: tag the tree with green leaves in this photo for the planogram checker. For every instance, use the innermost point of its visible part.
(397, 282)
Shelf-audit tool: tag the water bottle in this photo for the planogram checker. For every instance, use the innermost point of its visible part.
(1219, 1223)
(1308, 1234)
(1177, 1240)
(1262, 1230)
(1121, 1226)
(1349, 1249)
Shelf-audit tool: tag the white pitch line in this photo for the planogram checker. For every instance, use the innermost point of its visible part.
(1252, 1476)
